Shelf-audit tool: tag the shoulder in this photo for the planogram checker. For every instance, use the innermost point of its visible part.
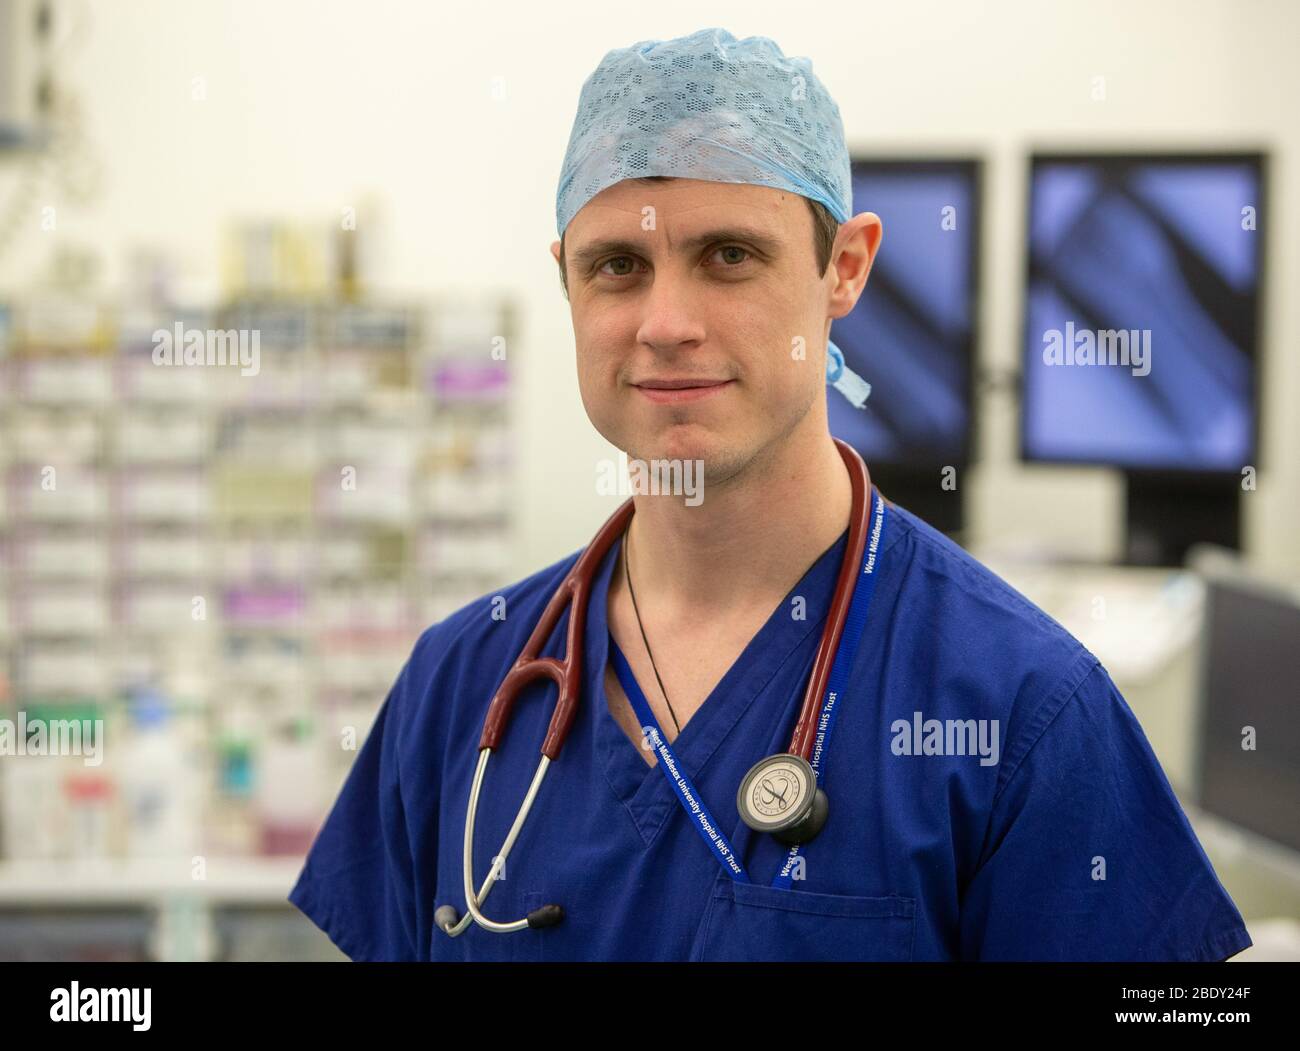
(974, 639)
(973, 604)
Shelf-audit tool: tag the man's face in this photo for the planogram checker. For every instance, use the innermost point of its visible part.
(710, 288)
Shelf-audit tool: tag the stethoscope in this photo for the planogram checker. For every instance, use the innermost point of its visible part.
(778, 795)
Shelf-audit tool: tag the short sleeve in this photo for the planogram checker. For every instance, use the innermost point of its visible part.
(358, 881)
(1088, 854)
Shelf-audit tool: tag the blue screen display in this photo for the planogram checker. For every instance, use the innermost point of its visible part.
(911, 334)
(1140, 311)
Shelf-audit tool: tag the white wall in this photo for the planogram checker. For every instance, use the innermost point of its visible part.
(310, 104)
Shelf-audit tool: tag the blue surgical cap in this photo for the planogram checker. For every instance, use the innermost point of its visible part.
(708, 106)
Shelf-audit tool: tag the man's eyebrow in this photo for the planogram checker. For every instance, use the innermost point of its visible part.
(760, 239)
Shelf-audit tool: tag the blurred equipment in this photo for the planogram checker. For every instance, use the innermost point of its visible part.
(1141, 334)
(26, 31)
(42, 129)
(1248, 762)
(912, 333)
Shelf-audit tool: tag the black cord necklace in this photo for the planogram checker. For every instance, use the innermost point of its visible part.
(627, 573)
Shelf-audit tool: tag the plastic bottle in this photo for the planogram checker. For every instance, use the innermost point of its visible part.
(289, 792)
(158, 783)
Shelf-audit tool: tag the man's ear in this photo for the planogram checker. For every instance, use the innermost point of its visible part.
(555, 251)
(856, 246)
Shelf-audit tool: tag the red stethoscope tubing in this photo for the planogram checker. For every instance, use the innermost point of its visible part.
(575, 590)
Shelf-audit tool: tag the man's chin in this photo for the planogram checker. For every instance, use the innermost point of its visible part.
(718, 454)
(679, 443)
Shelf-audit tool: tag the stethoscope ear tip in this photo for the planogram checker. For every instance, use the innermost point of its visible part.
(446, 917)
(546, 916)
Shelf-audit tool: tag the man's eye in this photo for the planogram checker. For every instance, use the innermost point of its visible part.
(626, 265)
(732, 255)
(617, 262)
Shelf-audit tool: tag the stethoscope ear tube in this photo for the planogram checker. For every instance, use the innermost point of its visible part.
(528, 669)
(779, 794)
(573, 592)
(547, 915)
(805, 730)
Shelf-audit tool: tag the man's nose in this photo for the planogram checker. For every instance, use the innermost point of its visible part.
(672, 309)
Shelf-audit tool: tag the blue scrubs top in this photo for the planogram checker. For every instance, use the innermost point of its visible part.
(1072, 846)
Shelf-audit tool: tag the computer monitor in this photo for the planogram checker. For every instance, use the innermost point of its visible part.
(1248, 749)
(1140, 343)
(912, 333)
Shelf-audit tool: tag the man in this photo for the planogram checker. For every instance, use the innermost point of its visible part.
(991, 794)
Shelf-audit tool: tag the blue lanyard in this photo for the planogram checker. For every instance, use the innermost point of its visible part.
(687, 796)
(681, 784)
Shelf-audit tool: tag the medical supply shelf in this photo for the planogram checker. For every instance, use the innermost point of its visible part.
(260, 551)
(155, 910)
(265, 881)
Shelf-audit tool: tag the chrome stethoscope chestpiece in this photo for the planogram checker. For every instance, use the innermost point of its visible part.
(780, 796)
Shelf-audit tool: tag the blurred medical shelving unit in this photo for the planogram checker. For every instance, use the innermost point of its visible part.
(229, 571)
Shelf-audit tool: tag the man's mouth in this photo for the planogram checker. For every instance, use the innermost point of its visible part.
(672, 389)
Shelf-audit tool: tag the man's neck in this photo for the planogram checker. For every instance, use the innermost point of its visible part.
(748, 542)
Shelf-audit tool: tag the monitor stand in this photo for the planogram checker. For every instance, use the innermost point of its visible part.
(1168, 512)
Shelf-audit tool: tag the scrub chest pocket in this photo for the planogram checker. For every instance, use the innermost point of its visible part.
(748, 921)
